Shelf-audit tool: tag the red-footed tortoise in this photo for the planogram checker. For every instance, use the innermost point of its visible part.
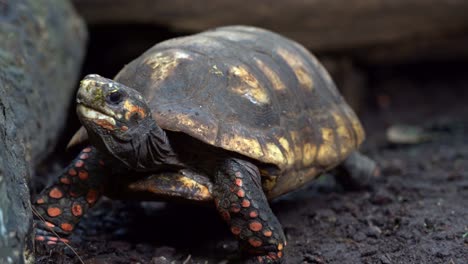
(234, 116)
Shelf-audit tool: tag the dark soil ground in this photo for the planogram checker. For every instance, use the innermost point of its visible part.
(417, 212)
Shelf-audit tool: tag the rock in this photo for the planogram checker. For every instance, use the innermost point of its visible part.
(376, 30)
(407, 134)
(41, 50)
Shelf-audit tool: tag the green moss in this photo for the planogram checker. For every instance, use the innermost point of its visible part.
(98, 97)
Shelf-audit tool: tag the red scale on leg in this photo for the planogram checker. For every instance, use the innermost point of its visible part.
(239, 182)
(267, 233)
(255, 226)
(79, 163)
(235, 208)
(245, 203)
(253, 214)
(65, 180)
(236, 230)
(83, 175)
(77, 209)
(225, 215)
(255, 242)
(72, 172)
(54, 211)
(87, 150)
(55, 193)
(66, 227)
(91, 196)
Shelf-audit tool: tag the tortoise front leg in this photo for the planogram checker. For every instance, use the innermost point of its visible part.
(61, 205)
(242, 204)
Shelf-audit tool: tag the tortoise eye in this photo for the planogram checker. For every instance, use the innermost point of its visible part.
(114, 97)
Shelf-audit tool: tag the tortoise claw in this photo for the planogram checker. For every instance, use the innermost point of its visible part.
(44, 234)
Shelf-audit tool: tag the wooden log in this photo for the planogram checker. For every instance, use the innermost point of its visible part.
(389, 30)
(41, 50)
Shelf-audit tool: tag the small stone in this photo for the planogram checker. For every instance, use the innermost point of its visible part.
(120, 245)
(359, 236)
(368, 252)
(309, 258)
(160, 260)
(407, 134)
(442, 254)
(143, 248)
(373, 231)
(381, 197)
(165, 251)
(385, 259)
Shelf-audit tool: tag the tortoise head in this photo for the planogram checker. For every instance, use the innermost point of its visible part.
(116, 117)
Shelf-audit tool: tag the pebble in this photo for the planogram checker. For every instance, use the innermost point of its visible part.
(385, 259)
(309, 258)
(159, 260)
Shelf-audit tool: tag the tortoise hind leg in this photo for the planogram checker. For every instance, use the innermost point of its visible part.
(243, 205)
(356, 171)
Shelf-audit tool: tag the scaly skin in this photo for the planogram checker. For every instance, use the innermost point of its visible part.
(242, 204)
(64, 203)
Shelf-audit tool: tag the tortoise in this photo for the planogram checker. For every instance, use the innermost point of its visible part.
(233, 116)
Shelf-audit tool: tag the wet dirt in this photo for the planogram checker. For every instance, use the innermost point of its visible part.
(417, 212)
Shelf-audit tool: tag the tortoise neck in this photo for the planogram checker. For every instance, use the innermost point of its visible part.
(147, 148)
(159, 149)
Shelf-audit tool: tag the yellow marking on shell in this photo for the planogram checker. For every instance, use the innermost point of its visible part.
(298, 66)
(215, 70)
(327, 154)
(359, 130)
(274, 155)
(345, 136)
(201, 129)
(271, 75)
(296, 145)
(164, 63)
(250, 88)
(289, 152)
(133, 109)
(356, 124)
(247, 146)
(309, 152)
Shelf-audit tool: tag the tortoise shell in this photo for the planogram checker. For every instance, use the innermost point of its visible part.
(253, 92)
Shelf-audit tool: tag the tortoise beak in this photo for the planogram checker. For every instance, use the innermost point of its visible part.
(80, 137)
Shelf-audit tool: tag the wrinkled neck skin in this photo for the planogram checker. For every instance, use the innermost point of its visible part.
(143, 148)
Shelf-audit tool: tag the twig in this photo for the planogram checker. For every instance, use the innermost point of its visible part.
(187, 259)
